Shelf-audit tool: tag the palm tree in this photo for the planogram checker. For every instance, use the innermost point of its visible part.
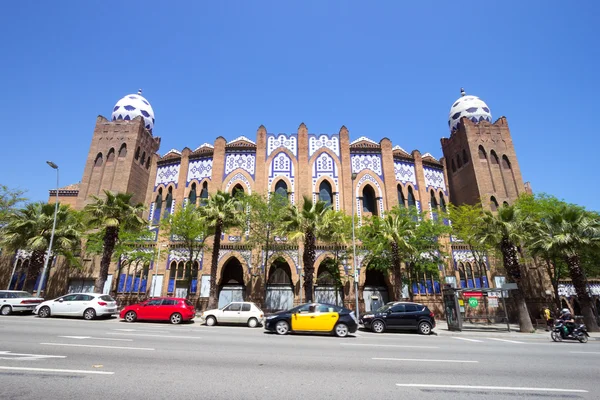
(388, 237)
(306, 225)
(30, 228)
(567, 231)
(222, 212)
(112, 214)
(337, 230)
(504, 231)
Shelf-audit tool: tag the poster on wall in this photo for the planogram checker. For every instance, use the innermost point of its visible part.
(205, 286)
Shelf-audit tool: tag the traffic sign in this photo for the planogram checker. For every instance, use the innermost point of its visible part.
(473, 302)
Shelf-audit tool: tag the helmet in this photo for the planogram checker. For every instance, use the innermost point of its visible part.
(565, 310)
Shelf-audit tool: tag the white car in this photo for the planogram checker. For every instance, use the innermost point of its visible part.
(17, 301)
(86, 305)
(237, 312)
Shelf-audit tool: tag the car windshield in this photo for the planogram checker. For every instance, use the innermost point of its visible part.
(384, 308)
(19, 295)
(106, 297)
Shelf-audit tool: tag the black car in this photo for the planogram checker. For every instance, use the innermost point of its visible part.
(400, 315)
(313, 317)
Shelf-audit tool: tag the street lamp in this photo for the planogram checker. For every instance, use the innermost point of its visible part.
(45, 270)
(356, 274)
(155, 266)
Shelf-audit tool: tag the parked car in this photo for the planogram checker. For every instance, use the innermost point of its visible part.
(313, 317)
(237, 312)
(172, 309)
(86, 305)
(12, 301)
(400, 315)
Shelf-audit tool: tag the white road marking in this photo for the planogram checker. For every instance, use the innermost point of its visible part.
(69, 371)
(388, 345)
(7, 355)
(96, 338)
(160, 336)
(528, 389)
(99, 347)
(142, 330)
(467, 339)
(585, 352)
(424, 360)
(506, 340)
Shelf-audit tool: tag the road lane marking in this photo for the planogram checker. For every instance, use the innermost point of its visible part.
(96, 338)
(585, 352)
(528, 389)
(69, 371)
(467, 339)
(424, 360)
(389, 345)
(142, 330)
(8, 355)
(160, 336)
(506, 340)
(97, 346)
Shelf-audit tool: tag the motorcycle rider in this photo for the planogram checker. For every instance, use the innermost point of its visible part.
(569, 322)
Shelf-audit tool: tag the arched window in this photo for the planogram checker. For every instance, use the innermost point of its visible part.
(180, 270)
(493, 204)
(505, 162)
(505, 203)
(411, 198)
(482, 271)
(281, 189)
(168, 202)
(137, 153)
(157, 207)
(453, 166)
(461, 273)
(204, 194)
(148, 163)
(143, 158)
(238, 190)
(469, 271)
(123, 150)
(476, 276)
(434, 206)
(482, 154)
(401, 199)
(111, 155)
(325, 192)
(193, 195)
(465, 156)
(495, 160)
(458, 161)
(442, 202)
(369, 201)
(98, 161)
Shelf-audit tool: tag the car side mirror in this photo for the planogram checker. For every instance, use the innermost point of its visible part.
(60, 300)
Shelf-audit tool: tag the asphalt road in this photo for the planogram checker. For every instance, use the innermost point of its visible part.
(105, 359)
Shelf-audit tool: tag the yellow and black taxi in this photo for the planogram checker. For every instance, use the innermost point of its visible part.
(314, 318)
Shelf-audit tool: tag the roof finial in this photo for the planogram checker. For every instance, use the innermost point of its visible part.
(140, 92)
(462, 91)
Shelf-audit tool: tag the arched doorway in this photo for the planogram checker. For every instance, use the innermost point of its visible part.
(280, 290)
(326, 290)
(375, 293)
(576, 307)
(232, 286)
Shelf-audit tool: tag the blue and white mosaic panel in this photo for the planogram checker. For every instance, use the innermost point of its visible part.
(434, 178)
(317, 142)
(282, 165)
(243, 160)
(325, 166)
(199, 169)
(465, 256)
(405, 173)
(167, 174)
(568, 290)
(290, 143)
(239, 178)
(371, 162)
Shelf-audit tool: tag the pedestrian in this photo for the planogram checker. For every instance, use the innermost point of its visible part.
(548, 318)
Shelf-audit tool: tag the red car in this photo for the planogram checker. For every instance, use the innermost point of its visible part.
(172, 309)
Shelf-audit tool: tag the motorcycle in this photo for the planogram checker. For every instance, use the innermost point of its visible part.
(559, 333)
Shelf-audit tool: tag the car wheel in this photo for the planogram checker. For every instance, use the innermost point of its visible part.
(6, 310)
(131, 316)
(425, 328)
(211, 321)
(44, 312)
(282, 328)
(252, 322)
(176, 318)
(378, 326)
(89, 314)
(341, 330)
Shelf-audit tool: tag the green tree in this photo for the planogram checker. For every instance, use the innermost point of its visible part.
(504, 231)
(188, 228)
(10, 199)
(306, 225)
(110, 215)
(337, 231)
(387, 239)
(222, 212)
(30, 228)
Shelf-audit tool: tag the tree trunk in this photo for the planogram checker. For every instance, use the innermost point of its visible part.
(397, 269)
(36, 263)
(118, 280)
(213, 300)
(511, 264)
(110, 239)
(581, 287)
(553, 273)
(309, 265)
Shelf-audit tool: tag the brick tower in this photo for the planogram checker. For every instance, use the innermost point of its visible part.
(121, 152)
(480, 157)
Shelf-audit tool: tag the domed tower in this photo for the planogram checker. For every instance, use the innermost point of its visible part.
(122, 152)
(480, 157)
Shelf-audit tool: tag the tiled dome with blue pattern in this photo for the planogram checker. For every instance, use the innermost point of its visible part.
(134, 105)
(471, 107)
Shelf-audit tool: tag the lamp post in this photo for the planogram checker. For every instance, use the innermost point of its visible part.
(356, 273)
(156, 269)
(45, 270)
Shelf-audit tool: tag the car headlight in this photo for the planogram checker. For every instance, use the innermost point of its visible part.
(270, 317)
(368, 316)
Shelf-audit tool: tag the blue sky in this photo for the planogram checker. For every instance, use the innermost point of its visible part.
(224, 68)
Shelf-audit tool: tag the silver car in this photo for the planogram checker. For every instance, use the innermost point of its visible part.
(12, 301)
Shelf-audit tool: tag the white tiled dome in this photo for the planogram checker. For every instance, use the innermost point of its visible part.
(471, 107)
(134, 105)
